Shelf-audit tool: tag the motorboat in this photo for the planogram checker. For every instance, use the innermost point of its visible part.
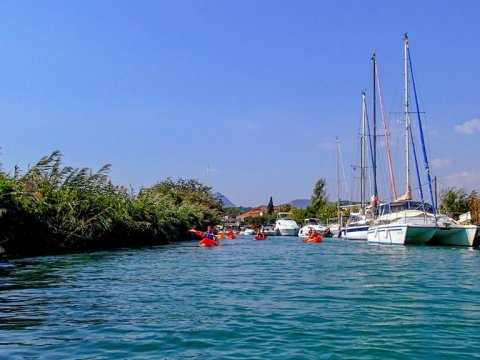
(248, 231)
(285, 225)
(268, 229)
(311, 224)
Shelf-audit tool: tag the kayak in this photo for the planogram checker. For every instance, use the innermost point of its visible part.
(315, 239)
(208, 243)
(230, 236)
(259, 237)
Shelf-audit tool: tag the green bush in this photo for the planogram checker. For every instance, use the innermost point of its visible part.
(55, 209)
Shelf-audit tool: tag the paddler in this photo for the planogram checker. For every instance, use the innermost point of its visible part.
(210, 233)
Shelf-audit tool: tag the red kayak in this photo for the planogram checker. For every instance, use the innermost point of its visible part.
(259, 237)
(208, 243)
(315, 239)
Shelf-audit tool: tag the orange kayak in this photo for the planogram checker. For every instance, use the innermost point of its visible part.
(315, 239)
(208, 243)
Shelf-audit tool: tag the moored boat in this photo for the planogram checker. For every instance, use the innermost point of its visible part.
(403, 223)
(358, 224)
(285, 225)
(310, 224)
(268, 229)
(248, 231)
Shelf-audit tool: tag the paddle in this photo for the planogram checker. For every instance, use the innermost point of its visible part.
(196, 232)
(201, 233)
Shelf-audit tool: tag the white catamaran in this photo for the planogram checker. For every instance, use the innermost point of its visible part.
(405, 221)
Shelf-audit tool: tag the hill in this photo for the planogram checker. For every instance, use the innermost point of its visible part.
(226, 202)
(300, 203)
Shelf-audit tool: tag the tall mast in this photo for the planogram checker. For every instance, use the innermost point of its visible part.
(422, 138)
(374, 165)
(338, 181)
(385, 132)
(363, 152)
(408, 192)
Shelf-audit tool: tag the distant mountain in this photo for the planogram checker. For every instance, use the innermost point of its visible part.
(226, 202)
(300, 203)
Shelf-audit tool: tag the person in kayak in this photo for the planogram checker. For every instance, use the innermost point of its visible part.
(313, 236)
(210, 233)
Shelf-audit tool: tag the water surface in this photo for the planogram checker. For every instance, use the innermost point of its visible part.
(273, 299)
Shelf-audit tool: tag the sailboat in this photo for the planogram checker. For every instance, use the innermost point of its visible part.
(357, 228)
(358, 224)
(405, 221)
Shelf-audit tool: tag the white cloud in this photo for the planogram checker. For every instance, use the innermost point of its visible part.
(464, 179)
(440, 163)
(469, 127)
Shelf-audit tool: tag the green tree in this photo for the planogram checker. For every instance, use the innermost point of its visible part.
(328, 211)
(270, 206)
(319, 197)
(455, 201)
(232, 212)
(286, 208)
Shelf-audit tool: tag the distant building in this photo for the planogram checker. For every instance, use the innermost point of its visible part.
(257, 212)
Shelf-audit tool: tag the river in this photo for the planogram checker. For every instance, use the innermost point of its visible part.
(273, 299)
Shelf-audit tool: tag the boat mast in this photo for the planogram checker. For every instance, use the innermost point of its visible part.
(338, 181)
(385, 132)
(363, 151)
(408, 191)
(374, 165)
(422, 138)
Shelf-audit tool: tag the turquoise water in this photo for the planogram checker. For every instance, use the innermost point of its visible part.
(273, 299)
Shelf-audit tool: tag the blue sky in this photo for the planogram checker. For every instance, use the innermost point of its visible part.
(255, 90)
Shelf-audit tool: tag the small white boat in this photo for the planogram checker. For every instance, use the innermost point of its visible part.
(268, 230)
(285, 225)
(356, 230)
(248, 231)
(311, 224)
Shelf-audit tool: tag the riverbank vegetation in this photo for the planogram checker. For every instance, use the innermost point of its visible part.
(53, 209)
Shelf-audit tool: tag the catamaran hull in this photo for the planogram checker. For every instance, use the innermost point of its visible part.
(455, 235)
(402, 234)
(356, 233)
